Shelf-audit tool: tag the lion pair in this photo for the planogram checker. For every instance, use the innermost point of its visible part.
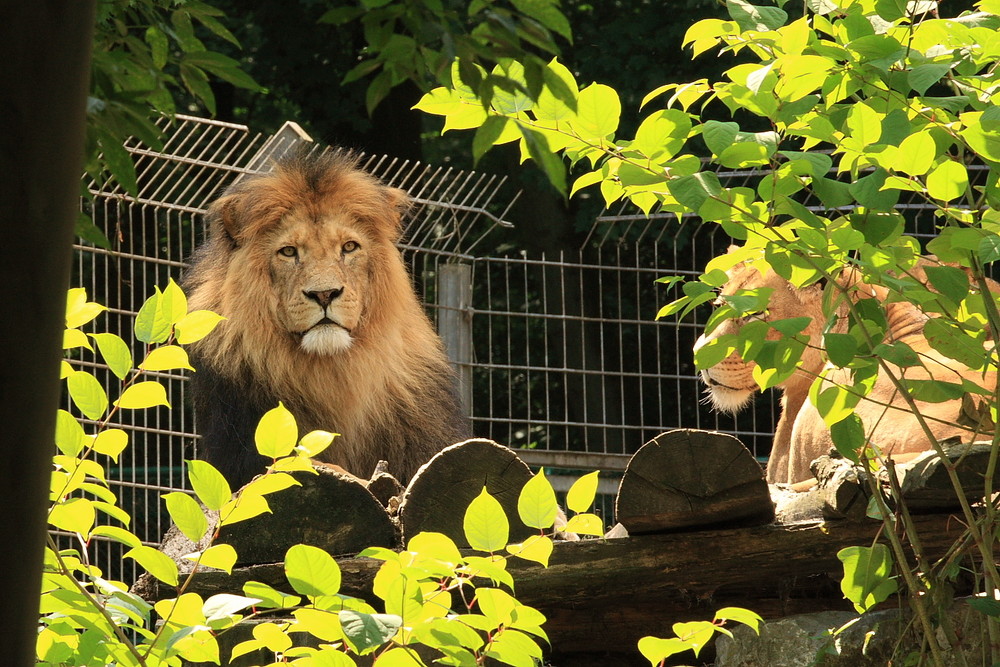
(322, 316)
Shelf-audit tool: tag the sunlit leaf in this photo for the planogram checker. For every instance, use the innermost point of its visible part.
(166, 358)
(115, 352)
(485, 524)
(311, 571)
(143, 395)
(186, 515)
(581, 495)
(209, 485)
(155, 562)
(536, 504)
(276, 433)
(87, 394)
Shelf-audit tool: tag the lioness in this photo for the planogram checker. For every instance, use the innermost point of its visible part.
(801, 434)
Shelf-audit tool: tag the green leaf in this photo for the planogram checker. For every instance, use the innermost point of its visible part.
(924, 76)
(186, 515)
(79, 311)
(848, 436)
(867, 579)
(598, 112)
(151, 324)
(276, 433)
(547, 13)
(223, 605)
(166, 358)
(950, 281)
(916, 154)
(718, 135)
(157, 563)
(947, 181)
(367, 631)
(753, 17)
(311, 571)
(692, 191)
(868, 191)
(551, 164)
(951, 341)
(989, 249)
(984, 142)
(488, 135)
(242, 507)
(585, 524)
(840, 348)
(119, 161)
(485, 525)
(536, 548)
(196, 325)
(76, 515)
(115, 352)
(656, 650)
(314, 442)
(69, 434)
(581, 495)
(143, 395)
(740, 615)
(87, 394)
(209, 485)
(220, 556)
(536, 504)
(399, 657)
(933, 391)
(662, 134)
(270, 597)
(985, 605)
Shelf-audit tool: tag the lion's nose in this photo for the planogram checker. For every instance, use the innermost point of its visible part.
(324, 297)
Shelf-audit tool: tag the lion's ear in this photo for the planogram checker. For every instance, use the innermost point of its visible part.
(224, 217)
(399, 202)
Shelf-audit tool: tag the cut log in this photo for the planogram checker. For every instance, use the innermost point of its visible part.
(331, 510)
(442, 489)
(925, 484)
(840, 492)
(687, 478)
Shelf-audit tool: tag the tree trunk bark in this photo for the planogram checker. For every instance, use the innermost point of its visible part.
(46, 56)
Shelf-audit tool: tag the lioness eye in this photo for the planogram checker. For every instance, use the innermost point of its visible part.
(288, 251)
(351, 246)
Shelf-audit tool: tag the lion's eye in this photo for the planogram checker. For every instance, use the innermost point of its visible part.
(351, 246)
(288, 251)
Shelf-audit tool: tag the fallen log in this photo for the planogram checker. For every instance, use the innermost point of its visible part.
(926, 486)
(602, 595)
(687, 478)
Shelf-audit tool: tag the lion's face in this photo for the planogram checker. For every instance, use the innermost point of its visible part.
(730, 383)
(319, 270)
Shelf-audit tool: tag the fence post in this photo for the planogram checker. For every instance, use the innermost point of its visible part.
(455, 324)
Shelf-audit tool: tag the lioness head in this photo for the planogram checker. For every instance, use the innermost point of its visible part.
(730, 383)
(304, 243)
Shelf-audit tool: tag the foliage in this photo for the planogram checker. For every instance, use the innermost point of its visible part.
(694, 635)
(848, 103)
(418, 40)
(459, 606)
(146, 56)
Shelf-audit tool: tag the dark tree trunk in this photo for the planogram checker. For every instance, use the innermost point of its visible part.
(46, 56)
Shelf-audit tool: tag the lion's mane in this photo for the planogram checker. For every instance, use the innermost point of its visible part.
(374, 371)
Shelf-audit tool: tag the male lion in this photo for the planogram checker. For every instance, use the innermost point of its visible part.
(321, 315)
(801, 435)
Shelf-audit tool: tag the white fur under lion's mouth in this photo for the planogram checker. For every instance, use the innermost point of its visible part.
(326, 337)
(726, 398)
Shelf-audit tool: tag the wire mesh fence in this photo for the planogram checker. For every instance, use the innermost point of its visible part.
(558, 355)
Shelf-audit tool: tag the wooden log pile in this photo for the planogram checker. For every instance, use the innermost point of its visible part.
(697, 519)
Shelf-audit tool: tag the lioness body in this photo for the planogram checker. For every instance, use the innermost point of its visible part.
(801, 434)
(321, 315)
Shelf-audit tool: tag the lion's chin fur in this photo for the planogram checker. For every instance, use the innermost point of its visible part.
(726, 399)
(327, 339)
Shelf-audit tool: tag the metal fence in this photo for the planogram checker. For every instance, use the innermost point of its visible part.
(559, 355)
